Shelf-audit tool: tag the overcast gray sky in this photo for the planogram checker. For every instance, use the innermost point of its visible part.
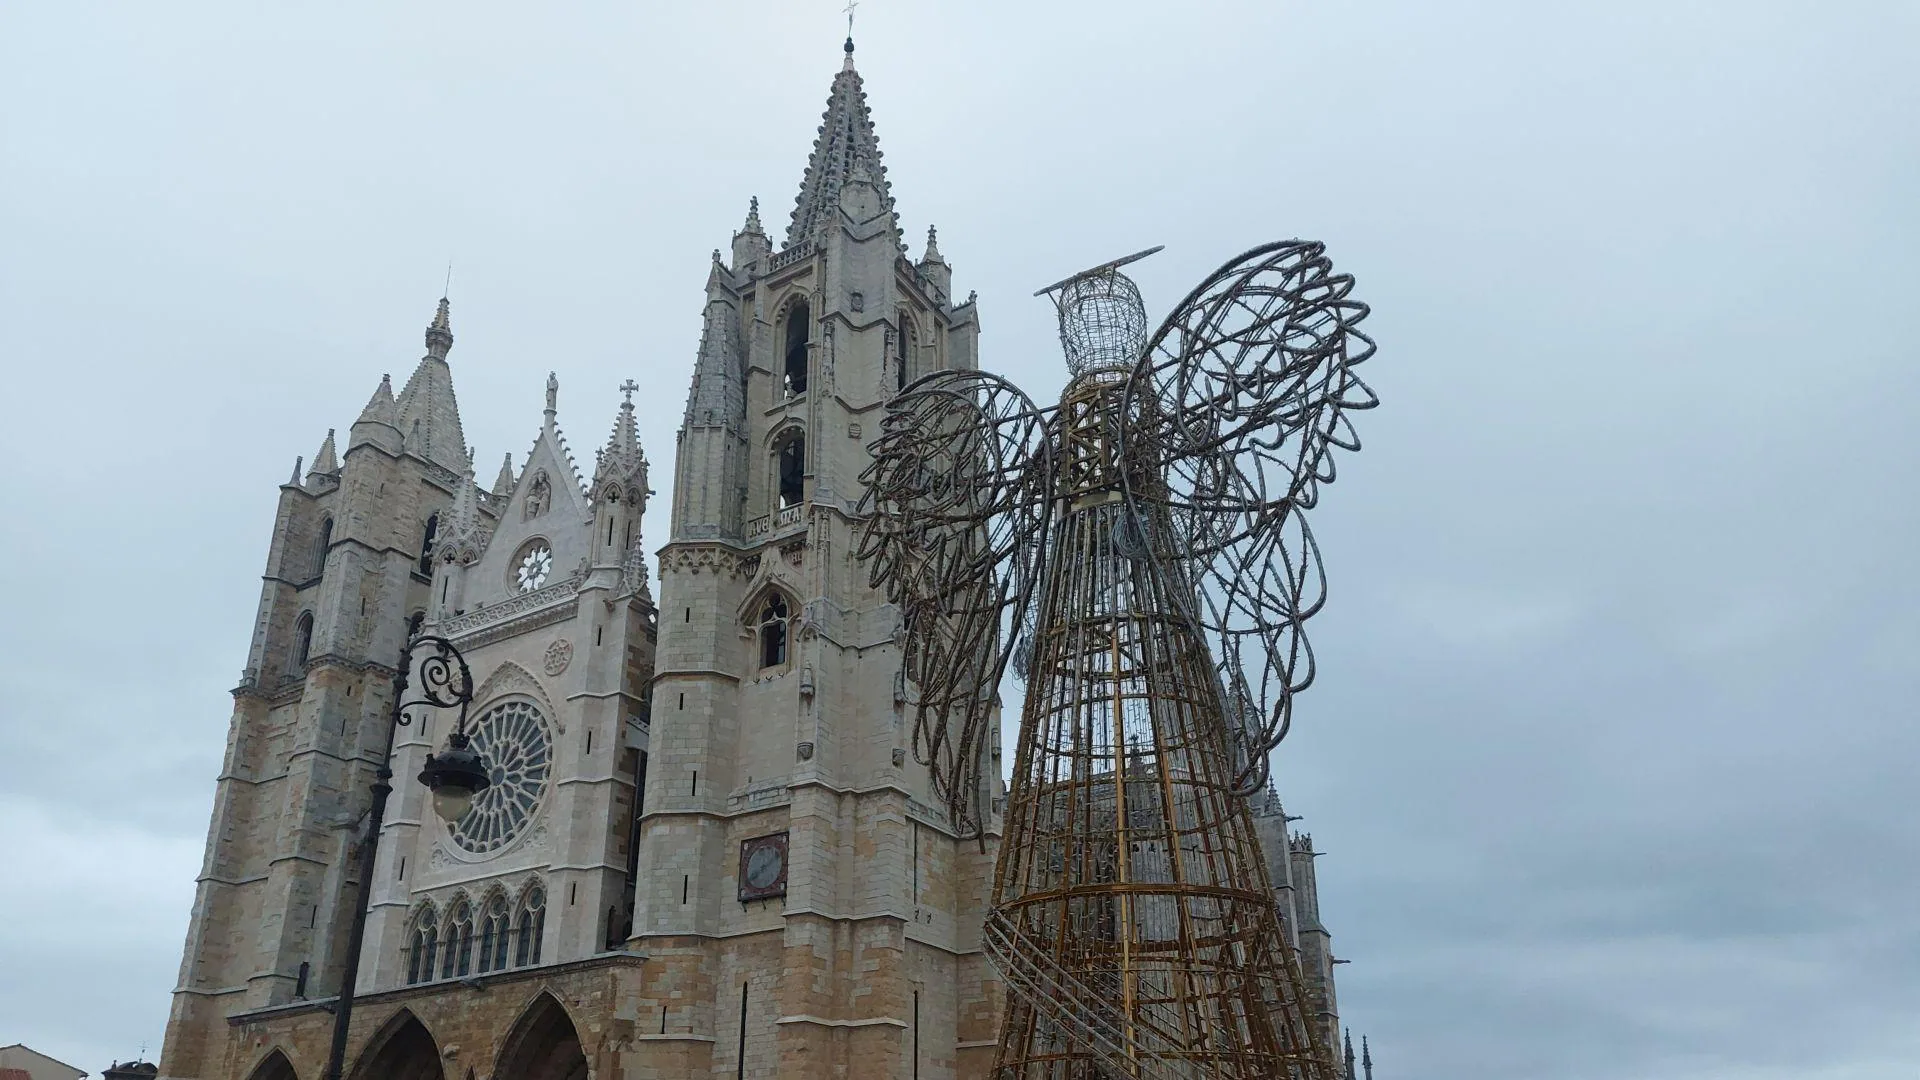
(1613, 754)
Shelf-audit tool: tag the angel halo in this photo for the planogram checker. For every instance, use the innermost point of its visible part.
(1142, 547)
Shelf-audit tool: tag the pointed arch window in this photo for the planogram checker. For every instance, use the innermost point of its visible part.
(423, 946)
(772, 628)
(902, 346)
(427, 535)
(302, 644)
(457, 943)
(494, 932)
(790, 469)
(799, 322)
(321, 544)
(530, 927)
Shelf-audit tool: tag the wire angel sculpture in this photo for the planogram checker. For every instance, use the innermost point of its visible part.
(1139, 555)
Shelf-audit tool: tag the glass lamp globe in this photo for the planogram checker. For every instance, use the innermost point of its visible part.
(454, 777)
(452, 804)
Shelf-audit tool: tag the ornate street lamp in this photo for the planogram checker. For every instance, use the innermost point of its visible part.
(454, 776)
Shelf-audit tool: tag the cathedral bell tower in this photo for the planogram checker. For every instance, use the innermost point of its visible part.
(805, 906)
(349, 565)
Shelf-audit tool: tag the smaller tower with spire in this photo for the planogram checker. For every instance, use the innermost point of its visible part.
(619, 489)
(750, 245)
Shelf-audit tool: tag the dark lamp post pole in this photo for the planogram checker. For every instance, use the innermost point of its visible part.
(454, 777)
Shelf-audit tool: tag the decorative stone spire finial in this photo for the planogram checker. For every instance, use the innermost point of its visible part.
(622, 459)
(464, 535)
(503, 484)
(326, 462)
(379, 408)
(933, 268)
(1366, 1057)
(852, 6)
(1347, 1072)
(750, 244)
(295, 478)
(553, 395)
(440, 333)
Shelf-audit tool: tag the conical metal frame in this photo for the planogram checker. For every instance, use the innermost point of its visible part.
(1132, 912)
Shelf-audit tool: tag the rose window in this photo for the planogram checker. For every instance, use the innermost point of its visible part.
(512, 740)
(534, 567)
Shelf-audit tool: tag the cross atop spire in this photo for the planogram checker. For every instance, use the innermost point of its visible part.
(845, 147)
(622, 458)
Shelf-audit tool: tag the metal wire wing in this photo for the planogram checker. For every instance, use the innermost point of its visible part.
(1239, 399)
(951, 521)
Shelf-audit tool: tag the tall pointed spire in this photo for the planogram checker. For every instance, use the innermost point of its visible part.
(846, 145)
(429, 417)
(1348, 1071)
(1366, 1057)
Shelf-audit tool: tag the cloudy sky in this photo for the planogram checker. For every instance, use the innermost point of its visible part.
(1613, 758)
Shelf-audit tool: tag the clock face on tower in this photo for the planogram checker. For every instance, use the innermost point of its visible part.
(536, 562)
(763, 867)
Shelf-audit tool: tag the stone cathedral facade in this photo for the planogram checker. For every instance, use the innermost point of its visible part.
(708, 850)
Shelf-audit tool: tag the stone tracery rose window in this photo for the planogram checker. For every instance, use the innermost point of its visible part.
(512, 739)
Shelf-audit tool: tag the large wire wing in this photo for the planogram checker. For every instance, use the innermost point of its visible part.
(1240, 398)
(951, 522)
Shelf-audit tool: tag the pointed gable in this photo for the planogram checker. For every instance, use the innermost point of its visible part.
(547, 507)
(845, 146)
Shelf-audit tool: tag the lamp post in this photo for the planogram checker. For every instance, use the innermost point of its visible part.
(454, 777)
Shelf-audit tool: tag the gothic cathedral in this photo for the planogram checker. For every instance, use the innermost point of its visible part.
(707, 849)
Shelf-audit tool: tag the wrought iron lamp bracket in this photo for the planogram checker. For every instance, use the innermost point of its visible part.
(445, 680)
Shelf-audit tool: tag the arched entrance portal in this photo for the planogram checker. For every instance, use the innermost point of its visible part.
(543, 1046)
(274, 1066)
(403, 1050)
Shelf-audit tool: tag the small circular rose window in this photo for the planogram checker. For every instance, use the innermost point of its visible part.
(511, 738)
(533, 566)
